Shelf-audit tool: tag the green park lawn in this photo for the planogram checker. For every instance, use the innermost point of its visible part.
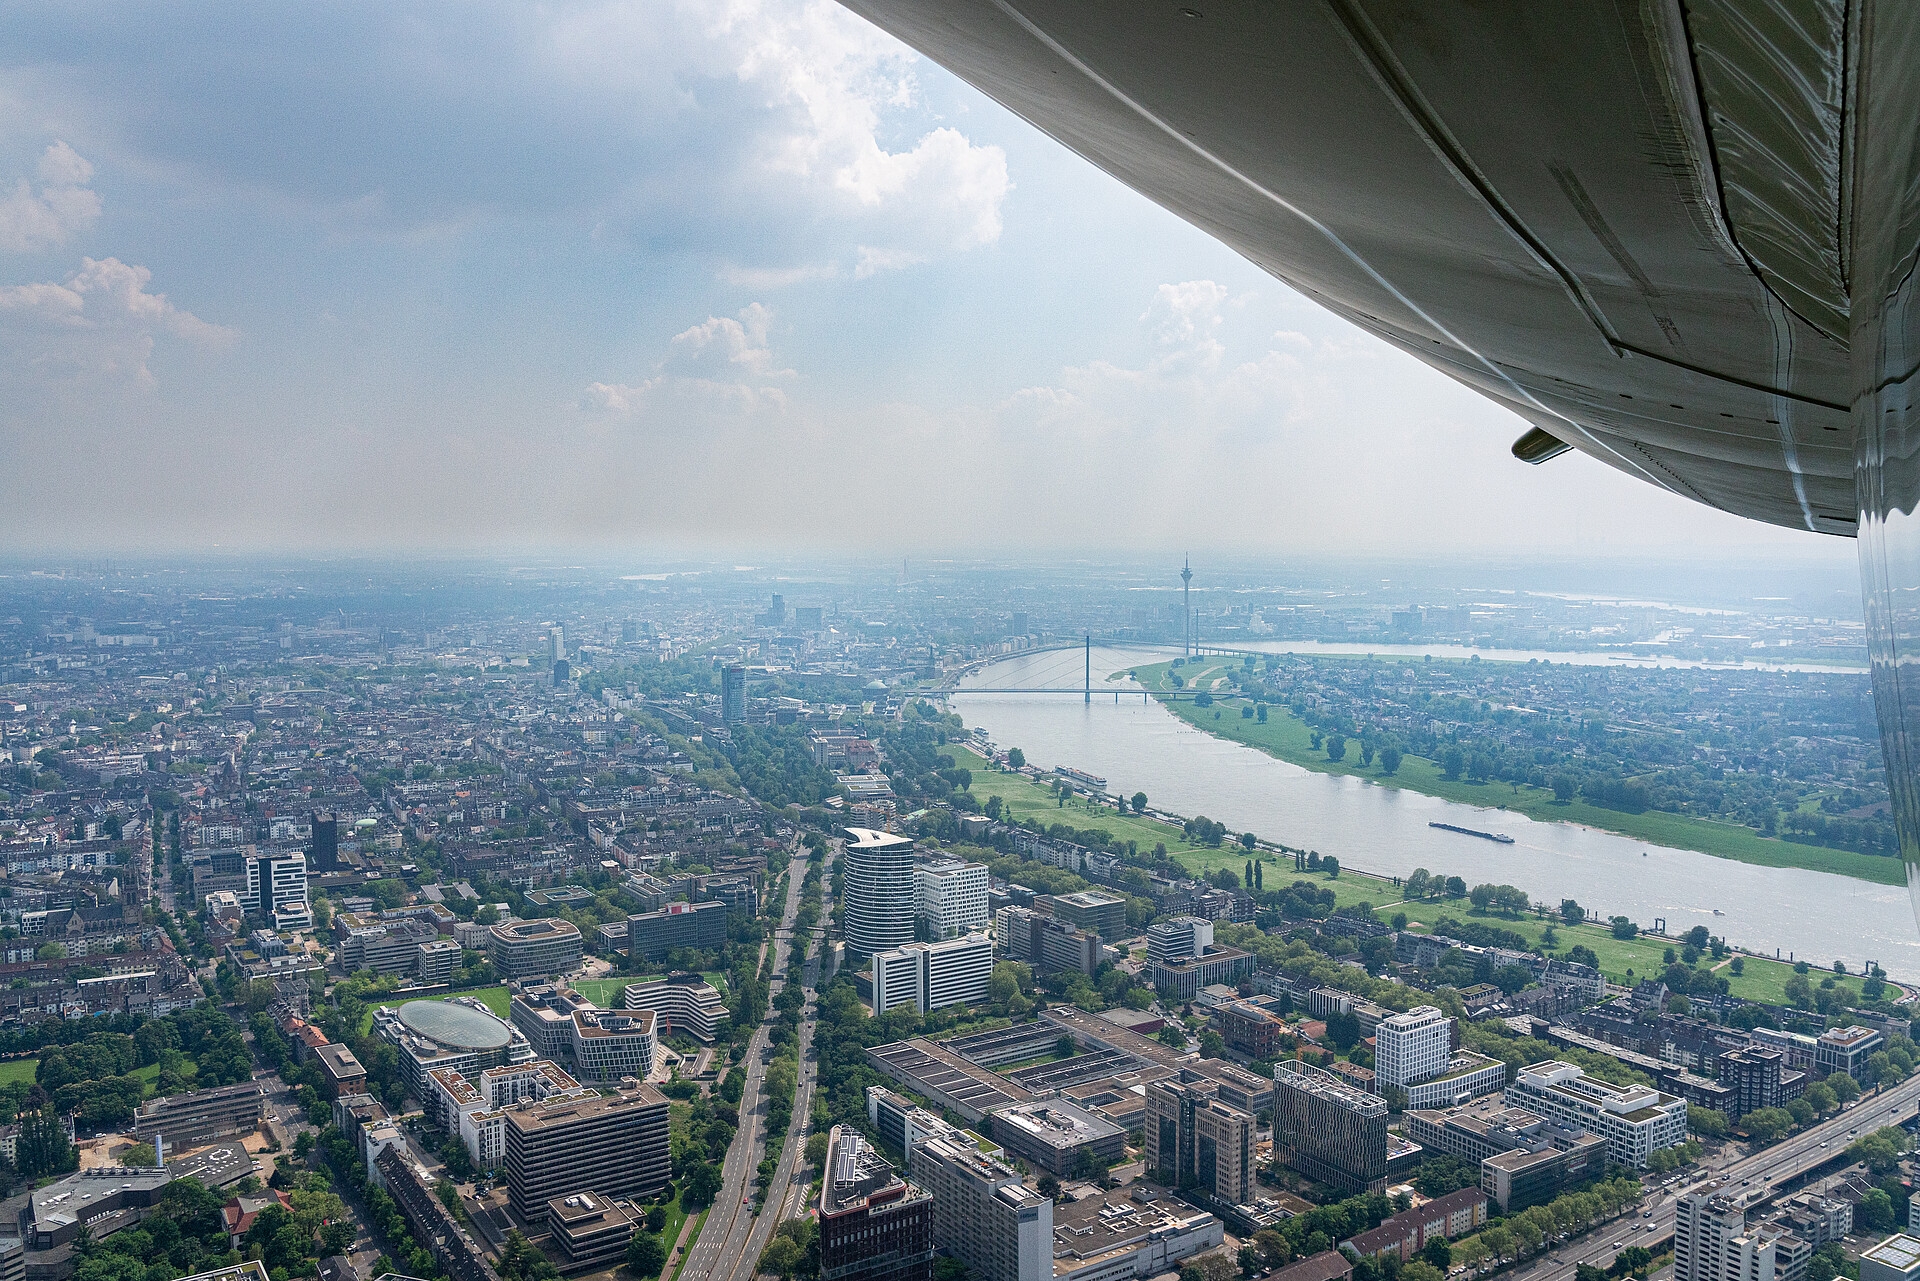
(1024, 798)
(1290, 739)
(24, 1069)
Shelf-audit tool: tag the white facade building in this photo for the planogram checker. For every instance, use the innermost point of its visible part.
(1635, 1120)
(478, 1108)
(930, 976)
(1179, 938)
(277, 889)
(687, 1002)
(950, 898)
(1712, 1242)
(1412, 1047)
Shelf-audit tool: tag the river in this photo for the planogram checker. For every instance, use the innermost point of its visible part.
(1137, 745)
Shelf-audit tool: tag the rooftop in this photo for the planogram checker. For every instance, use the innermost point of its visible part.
(533, 1116)
(1054, 1122)
(1897, 1251)
(460, 1025)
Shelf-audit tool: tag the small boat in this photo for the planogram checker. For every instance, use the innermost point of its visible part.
(1500, 837)
(1718, 912)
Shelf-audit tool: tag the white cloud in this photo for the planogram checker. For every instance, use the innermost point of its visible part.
(837, 79)
(33, 220)
(721, 365)
(101, 323)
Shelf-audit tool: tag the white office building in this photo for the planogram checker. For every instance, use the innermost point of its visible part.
(1178, 938)
(1712, 1242)
(1412, 1047)
(950, 898)
(1635, 1120)
(983, 1214)
(277, 889)
(930, 976)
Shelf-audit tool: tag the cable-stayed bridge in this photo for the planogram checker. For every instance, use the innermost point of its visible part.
(1056, 676)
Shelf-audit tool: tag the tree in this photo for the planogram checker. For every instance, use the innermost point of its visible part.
(1708, 1121)
(817, 1149)
(1390, 759)
(1438, 1253)
(1737, 966)
(1064, 1046)
(646, 1256)
(1482, 897)
(1880, 1150)
(1419, 884)
(1139, 802)
(141, 1156)
(1571, 912)
(1273, 1247)
(1875, 1210)
(1511, 978)
(1330, 865)
(1623, 928)
(1336, 747)
(1452, 761)
(1016, 758)
(1456, 888)
(41, 1146)
(1563, 788)
(703, 1185)
(1766, 1125)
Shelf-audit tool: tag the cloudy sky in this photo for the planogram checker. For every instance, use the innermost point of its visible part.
(722, 274)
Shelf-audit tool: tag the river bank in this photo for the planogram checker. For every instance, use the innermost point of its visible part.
(1622, 960)
(1287, 738)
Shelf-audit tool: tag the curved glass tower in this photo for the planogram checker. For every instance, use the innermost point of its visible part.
(879, 890)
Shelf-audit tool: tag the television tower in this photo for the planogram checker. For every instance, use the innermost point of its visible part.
(1186, 609)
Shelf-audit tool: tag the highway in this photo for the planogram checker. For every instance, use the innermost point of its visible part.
(727, 1242)
(1781, 1163)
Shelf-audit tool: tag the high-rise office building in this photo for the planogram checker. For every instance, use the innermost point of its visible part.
(1712, 1242)
(874, 1225)
(1411, 1047)
(1018, 625)
(1329, 1130)
(323, 848)
(562, 672)
(983, 1214)
(534, 949)
(949, 898)
(1758, 1078)
(879, 890)
(276, 889)
(1047, 943)
(614, 1144)
(1192, 1137)
(556, 643)
(1179, 938)
(932, 976)
(652, 935)
(1095, 911)
(733, 693)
